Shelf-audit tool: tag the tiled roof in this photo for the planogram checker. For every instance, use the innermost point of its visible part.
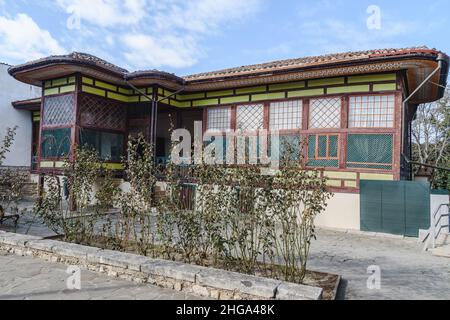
(308, 61)
(323, 60)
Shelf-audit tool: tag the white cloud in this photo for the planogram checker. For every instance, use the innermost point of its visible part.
(181, 27)
(106, 13)
(145, 51)
(21, 39)
(202, 16)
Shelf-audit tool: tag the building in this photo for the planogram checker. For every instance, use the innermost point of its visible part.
(354, 109)
(23, 149)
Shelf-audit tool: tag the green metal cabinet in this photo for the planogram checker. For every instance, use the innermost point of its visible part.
(395, 207)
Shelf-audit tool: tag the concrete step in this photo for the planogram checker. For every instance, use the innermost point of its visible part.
(443, 251)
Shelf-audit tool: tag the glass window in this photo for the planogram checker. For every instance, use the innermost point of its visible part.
(219, 119)
(286, 115)
(250, 117)
(323, 151)
(372, 151)
(372, 111)
(108, 145)
(325, 113)
(55, 143)
(59, 110)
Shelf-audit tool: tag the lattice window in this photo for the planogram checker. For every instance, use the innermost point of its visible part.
(102, 113)
(286, 115)
(250, 117)
(55, 143)
(325, 113)
(371, 151)
(372, 111)
(219, 119)
(59, 110)
(323, 151)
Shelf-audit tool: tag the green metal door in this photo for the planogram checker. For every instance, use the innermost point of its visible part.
(395, 207)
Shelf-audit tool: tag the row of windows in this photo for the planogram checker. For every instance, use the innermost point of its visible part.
(324, 113)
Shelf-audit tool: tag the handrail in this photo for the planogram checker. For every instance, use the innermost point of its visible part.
(433, 226)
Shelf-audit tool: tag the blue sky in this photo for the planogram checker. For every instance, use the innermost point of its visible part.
(186, 37)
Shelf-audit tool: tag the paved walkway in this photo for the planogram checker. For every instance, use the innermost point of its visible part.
(406, 271)
(34, 279)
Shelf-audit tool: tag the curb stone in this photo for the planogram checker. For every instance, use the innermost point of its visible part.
(202, 281)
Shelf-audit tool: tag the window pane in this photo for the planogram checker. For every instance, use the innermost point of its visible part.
(55, 143)
(372, 151)
(219, 119)
(288, 147)
(372, 112)
(59, 110)
(286, 115)
(250, 117)
(108, 145)
(325, 113)
(322, 148)
(102, 113)
(333, 146)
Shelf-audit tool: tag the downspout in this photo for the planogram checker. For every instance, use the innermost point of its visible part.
(440, 61)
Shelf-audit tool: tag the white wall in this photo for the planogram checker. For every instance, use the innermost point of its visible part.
(342, 212)
(13, 90)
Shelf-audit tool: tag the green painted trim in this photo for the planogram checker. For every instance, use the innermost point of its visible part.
(251, 90)
(180, 104)
(287, 86)
(87, 81)
(235, 99)
(373, 78)
(184, 97)
(334, 183)
(59, 82)
(207, 102)
(36, 118)
(113, 166)
(325, 82)
(133, 99)
(306, 93)
(48, 92)
(340, 175)
(105, 85)
(149, 90)
(385, 87)
(214, 94)
(377, 176)
(69, 88)
(349, 89)
(48, 84)
(72, 80)
(350, 184)
(93, 90)
(51, 164)
(125, 91)
(268, 96)
(117, 96)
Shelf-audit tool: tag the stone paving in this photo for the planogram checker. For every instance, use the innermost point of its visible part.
(26, 278)
(406, 271)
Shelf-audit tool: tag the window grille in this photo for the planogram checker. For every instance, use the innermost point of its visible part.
(286, 115)
(59, 110)
(370, 151)
(219, 119)
(323, 151)
(372, 111)
(250, 117)
(325, 113)
(102, 113)
(108, 145)
(288, 148)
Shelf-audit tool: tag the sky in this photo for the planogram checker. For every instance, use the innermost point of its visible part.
(187, 37)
